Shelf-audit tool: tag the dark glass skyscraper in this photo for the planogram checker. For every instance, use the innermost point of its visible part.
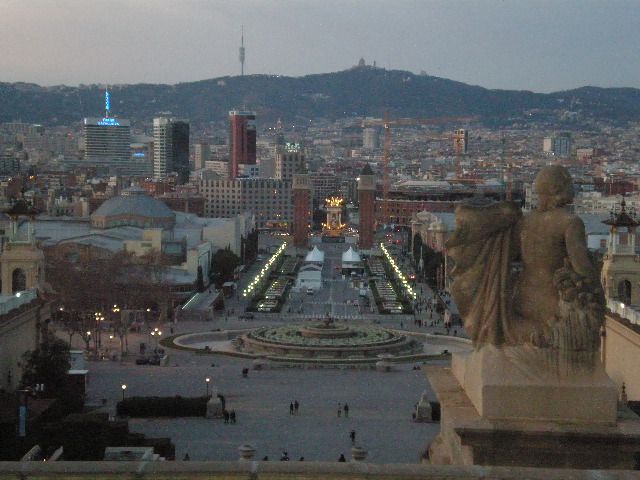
(170, 148)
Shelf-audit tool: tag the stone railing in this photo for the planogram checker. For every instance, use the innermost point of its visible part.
(247, 469)
(8, 303)
(625, 311)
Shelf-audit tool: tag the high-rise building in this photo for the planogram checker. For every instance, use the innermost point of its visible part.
(269, 199)
(460, 140)
(170, 148)
(107, 141)
(202, 155)
(367, 200)
(242, 140)
(558, 145)
(301, 187)
(290, 160)
(370, 139)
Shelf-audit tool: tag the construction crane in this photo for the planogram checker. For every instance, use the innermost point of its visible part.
(387, 123)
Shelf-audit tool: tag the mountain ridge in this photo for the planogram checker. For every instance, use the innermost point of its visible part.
(359, 91)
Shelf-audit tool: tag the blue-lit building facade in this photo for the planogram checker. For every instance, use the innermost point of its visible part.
(108, 144)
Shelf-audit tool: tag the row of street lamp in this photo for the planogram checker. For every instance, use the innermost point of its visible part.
(398, 272)
(265, 270)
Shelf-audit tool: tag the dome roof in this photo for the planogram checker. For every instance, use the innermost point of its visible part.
(135, 203)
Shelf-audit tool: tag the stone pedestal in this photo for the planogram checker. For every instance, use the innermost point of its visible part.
(467, 438)
(214, 406)
(528, 383)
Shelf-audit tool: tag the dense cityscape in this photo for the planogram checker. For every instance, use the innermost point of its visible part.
(270, 284)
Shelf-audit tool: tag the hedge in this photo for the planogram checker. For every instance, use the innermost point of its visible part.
(163, 406)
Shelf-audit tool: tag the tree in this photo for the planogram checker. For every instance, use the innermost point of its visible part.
(48, 365)
(223, 265)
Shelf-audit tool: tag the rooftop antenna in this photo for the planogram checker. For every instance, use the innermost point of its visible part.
(107, 102)
(242, 52)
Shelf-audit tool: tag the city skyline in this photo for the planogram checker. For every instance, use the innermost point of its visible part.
(538, 45)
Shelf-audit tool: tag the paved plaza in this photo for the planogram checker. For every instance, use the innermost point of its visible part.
(380, 404)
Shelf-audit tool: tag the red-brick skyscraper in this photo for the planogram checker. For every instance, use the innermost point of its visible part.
(242, 140)
(367, 200)
(301, 209)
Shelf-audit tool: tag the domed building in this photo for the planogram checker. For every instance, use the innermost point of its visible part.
(133, 208)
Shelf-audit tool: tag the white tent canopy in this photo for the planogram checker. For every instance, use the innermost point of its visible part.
(315, 256)
(351, 256)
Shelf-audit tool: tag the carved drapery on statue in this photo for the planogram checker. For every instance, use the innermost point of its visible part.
(555, 301)
(482, 248)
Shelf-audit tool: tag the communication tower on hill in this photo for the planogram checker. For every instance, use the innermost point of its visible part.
(241, 52)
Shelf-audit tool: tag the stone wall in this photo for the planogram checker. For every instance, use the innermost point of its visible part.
(285, 470)
(621, 354)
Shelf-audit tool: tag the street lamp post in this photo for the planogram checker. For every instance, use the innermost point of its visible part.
(207, 381)
(124, 387)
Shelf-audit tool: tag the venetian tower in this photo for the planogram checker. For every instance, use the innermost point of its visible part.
(367, 200)
(301, 210)
(620, 268)
(21, 261)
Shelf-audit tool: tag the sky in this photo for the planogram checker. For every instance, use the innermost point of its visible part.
(539, 45)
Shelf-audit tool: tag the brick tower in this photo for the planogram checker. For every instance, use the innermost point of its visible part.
(301, 210)
(367, 199)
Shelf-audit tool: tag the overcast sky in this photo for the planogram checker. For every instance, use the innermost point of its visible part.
(540, 45)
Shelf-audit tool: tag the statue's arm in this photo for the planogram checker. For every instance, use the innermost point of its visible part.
(576, 243)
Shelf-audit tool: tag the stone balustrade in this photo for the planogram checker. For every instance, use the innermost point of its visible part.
(275, 470)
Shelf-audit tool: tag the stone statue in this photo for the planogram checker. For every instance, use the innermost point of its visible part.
(556, 300)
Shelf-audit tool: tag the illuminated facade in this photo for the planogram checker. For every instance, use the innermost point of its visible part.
(333, 227)
(108, 141)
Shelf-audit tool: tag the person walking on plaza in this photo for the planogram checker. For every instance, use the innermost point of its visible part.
(225, 414)
(232, 416)
(342, 459)
(346, 410)
(296, 406)
(291, 407)
(352, 436)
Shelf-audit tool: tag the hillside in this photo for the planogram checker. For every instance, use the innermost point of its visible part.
(362, 91)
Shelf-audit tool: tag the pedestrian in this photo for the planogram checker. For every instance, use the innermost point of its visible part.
(301, 459)
(265, 458)
(291, 407)
(225, 414)
(346, 410)
(284, 457)
(339, 410)
(352, 436)
(186, 457)
(232, 416)
(296, 406)
(342, 459)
